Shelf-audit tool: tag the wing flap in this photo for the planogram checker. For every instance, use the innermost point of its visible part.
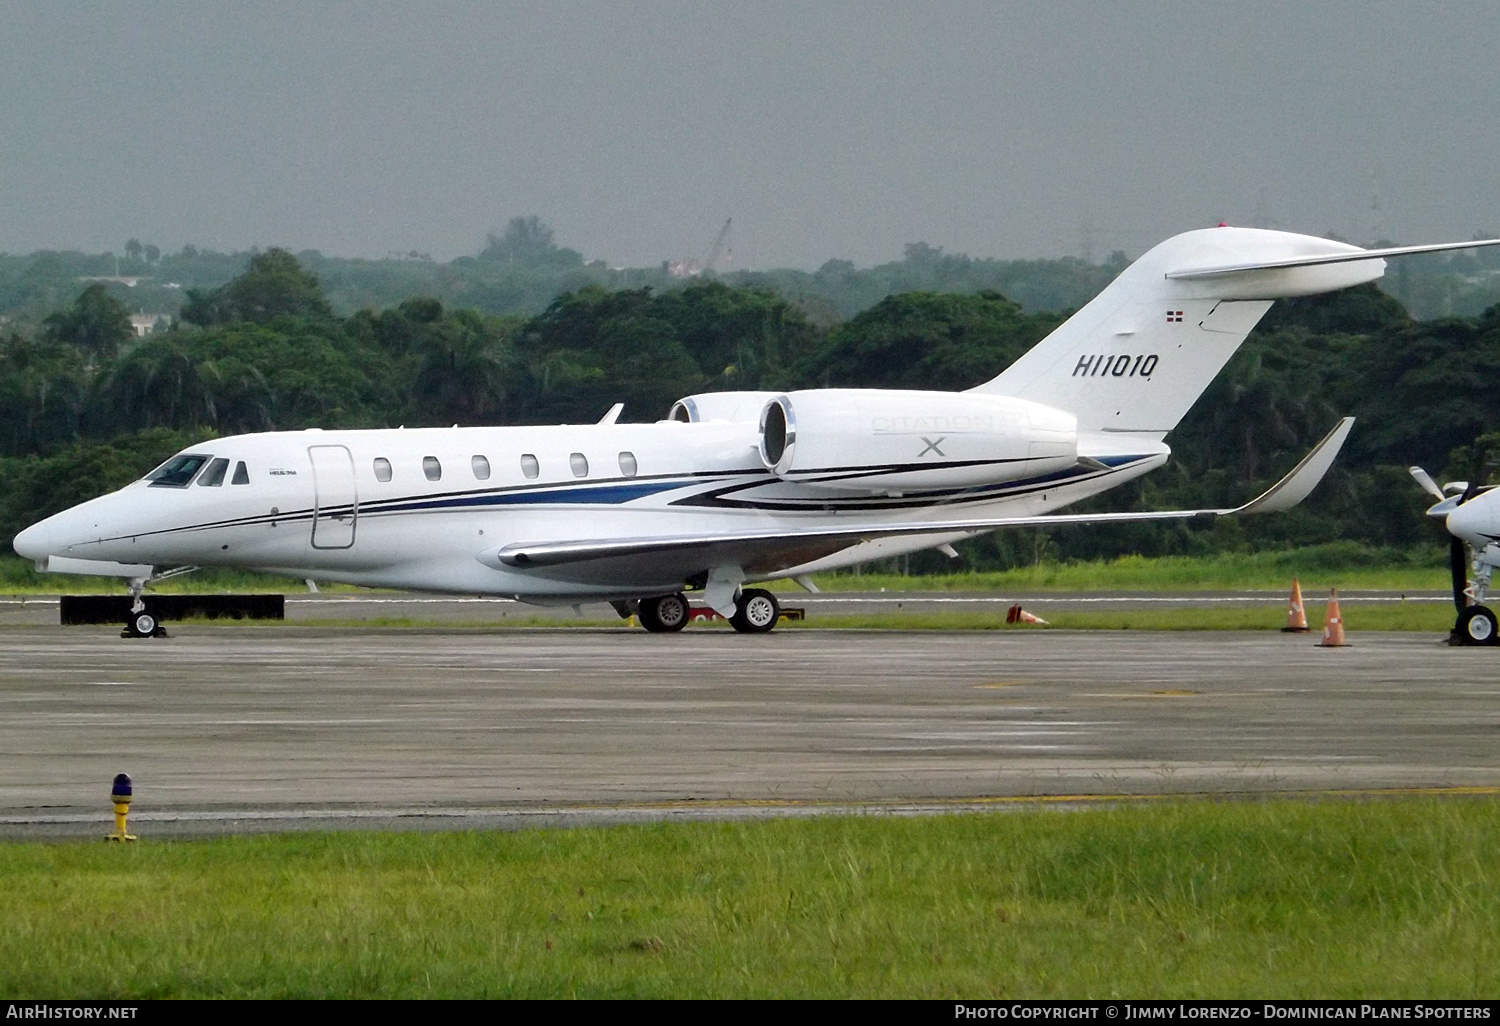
(767, 551)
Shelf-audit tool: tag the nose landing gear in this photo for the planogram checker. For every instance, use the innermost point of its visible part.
(141, 623)
(1476, 624)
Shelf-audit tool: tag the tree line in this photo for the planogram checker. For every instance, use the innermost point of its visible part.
(522, 268)
(86, 406)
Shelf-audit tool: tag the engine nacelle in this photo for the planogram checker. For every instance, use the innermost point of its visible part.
(737, 407)
(867, 439)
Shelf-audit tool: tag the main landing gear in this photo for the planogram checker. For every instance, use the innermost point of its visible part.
(666, 614)
(755, 612)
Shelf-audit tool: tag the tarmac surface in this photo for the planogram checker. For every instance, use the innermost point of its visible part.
(254, 728)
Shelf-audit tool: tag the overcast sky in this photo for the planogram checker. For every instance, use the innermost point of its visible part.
(824, 129)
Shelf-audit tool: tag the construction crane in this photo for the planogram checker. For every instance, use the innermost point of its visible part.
(693, 268)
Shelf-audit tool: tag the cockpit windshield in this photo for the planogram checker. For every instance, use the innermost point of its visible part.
(177, 472)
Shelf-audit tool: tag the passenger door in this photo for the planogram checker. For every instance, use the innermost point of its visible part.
(337, 497)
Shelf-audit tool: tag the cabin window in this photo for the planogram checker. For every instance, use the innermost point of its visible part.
(176, 472)
(529, 466)
(213, 477)
(382, 469)
(432, 468)
(241, 475)
(580, 464)
(481, 467)
(627, 464)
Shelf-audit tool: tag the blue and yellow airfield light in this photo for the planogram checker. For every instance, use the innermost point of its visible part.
(120, 794)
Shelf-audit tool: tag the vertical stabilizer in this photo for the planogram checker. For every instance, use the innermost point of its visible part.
(1137, 357)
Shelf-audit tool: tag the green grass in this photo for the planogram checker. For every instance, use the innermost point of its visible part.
(1388, 898)
(1320, 567)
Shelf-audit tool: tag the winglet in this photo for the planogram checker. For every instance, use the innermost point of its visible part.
(613, 414)
(1298, 485)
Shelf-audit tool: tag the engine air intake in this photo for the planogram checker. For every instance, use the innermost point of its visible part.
(878, 440)
(777, 433)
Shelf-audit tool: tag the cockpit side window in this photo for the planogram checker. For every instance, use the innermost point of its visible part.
(241, 475)
(177, 472)
(213, 477)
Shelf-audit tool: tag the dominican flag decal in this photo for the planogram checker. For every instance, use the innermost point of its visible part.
(1174, 316)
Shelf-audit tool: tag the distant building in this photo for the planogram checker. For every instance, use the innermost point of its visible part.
(146, 323)
(130, 281)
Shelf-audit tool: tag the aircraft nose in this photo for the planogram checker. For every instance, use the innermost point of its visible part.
(34, 542)
(1476, 521)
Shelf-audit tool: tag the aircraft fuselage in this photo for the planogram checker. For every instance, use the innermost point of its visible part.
(414, 508)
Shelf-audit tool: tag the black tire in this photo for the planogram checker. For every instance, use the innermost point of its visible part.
(756, 612)
(666, 614)
(142, 625)
(1477, 626)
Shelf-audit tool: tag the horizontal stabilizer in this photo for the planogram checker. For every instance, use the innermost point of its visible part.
(768, 551)
(1204, 273)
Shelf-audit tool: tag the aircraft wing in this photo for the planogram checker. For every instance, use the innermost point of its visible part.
(769, 550)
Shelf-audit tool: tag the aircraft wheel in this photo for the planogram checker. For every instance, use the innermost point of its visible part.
(1477, 626)
(665, 614)
(141, 625)
(756, 612)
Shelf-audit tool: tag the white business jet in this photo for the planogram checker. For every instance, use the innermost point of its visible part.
(733, 488)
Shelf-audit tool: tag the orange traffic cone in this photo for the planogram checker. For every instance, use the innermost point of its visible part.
(1296, 616)
(1015, 614)
(1333, 626)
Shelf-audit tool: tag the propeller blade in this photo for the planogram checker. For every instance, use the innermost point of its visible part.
(1427, 483)
(1458, 562)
